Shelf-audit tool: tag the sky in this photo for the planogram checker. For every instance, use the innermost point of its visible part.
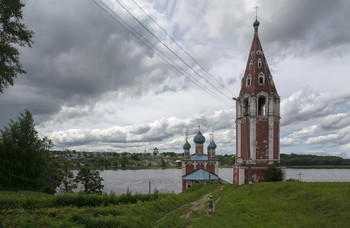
(93, 86)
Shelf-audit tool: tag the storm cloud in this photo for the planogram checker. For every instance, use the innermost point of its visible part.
(91, 85)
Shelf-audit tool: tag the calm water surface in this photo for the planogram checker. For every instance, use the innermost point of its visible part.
(169, 180)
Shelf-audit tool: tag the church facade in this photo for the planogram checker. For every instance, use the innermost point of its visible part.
(257, 118)
(199, 167)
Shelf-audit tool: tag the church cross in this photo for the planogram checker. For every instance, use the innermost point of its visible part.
(256, 12)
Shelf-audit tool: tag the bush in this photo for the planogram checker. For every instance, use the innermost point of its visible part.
(33, 200)
(273, 174)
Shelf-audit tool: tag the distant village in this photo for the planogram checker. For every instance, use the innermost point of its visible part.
(127, 160)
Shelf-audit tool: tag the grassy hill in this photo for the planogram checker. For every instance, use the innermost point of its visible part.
(283, 204)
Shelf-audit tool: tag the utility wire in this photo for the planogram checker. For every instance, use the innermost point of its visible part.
(188, 54)
(150, 32)
(160, 53)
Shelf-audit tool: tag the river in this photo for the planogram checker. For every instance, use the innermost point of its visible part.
(169, 180)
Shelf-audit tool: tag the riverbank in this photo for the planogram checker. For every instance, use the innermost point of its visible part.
(282, 204)
(319, 167)
(226, 166)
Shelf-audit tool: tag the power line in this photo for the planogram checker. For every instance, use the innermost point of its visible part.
(188, 54)
(150, 32)
(159, 53)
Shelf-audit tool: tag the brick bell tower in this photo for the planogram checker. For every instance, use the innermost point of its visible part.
(257, 118)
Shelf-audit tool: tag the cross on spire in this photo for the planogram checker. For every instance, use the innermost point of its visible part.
(256, 12)
(199, 124)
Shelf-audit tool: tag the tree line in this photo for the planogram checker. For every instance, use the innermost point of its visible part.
(312, 160)
(26, 162)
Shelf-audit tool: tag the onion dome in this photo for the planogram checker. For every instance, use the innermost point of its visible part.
(256, 23)
(187, 146)
(199, 138)
(212, 145)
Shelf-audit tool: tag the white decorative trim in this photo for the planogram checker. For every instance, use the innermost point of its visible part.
(239, 138)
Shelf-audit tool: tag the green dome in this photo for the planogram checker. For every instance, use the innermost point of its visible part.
(199, 138)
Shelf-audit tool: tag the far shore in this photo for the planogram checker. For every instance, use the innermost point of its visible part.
(226, 166)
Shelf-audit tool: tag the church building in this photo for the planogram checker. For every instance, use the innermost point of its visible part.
(257, 118)
(199, 167)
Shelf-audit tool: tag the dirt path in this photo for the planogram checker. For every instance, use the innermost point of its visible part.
(197, 205)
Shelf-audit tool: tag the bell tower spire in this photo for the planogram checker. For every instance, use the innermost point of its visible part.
(257, 115)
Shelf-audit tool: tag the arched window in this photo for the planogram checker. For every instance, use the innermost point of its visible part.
(262, 106)
(251, 64)
(249, 80)
(259, 63)
(261, 78)
(245, 107)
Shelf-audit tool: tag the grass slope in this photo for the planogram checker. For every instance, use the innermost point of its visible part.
(283, 204)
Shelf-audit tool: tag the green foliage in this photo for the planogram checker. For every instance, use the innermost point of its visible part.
(34, 200)
(90, 179)
(279, 204)
(273, 174)
(138, 211)
(25, 159)
(312, 160)
(12, 34)
(163, 163)
(226, 160)
(68, 176)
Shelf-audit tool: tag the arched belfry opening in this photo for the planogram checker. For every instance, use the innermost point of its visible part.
(262, 106)
(245, 106)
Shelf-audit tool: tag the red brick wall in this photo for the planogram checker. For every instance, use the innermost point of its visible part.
(189, 168)
(262, 139)
(199, 149)
(211, 168)
(200, 166)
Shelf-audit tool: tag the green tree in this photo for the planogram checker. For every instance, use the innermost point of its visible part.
(26, 162)
(273, 174)
(163, 163)
(124, 161)
(90, 179)
(68, 177)
(12, 33)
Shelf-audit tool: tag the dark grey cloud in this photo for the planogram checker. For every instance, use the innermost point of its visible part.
(79, 53)
(304, 27)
